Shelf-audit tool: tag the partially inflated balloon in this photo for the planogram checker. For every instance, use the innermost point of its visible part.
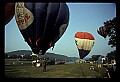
(9, 12)
(102, 31)
(41, 24)
(102, 57)
(84, 42)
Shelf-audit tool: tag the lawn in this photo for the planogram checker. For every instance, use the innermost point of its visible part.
(53, 71)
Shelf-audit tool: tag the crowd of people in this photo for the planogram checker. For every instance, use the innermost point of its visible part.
(109, 67)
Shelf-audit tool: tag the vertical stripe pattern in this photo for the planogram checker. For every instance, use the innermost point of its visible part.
(102, 31)
(41, 24)
(84, 42)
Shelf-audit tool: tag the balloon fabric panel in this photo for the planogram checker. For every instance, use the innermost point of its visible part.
(84, 43)
(61, 21)
(83, 53)
(84, 35)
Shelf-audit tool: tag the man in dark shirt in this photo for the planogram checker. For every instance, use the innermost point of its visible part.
(110, 71)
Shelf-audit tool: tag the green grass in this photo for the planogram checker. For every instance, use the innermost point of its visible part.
(53, 71)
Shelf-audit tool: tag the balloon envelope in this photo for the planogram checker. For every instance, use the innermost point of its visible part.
(102, 31)
(84, 42)
(102, 57)
(9, 12)
(41, 24)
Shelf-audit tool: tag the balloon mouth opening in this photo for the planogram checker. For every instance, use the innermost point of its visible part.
(37, 51)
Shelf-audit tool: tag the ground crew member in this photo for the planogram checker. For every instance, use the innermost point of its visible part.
(44, 64)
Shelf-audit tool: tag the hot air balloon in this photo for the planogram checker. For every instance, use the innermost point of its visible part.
(9, 12)
(84, 42)
(102, 31)
(41, 24)
(102, 58)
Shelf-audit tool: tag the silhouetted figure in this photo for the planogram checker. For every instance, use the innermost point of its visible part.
(44, 64)
(110, 71)
(91, 65)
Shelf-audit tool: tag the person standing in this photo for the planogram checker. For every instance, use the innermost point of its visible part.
(110, 71)
(99, 62)
(91, 65)
(44, 64)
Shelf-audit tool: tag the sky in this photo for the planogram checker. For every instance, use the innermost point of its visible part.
(84, 17)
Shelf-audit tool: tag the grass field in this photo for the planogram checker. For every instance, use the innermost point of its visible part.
(53, 71)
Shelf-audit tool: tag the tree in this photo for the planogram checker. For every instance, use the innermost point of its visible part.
(111, 55)
(111, 31)
(95, 57)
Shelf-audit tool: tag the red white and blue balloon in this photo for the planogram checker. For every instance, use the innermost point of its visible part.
(84, 42)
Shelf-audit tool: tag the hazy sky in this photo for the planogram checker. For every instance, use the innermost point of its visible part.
(83, 17)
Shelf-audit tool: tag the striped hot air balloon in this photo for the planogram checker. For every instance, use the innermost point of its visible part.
(84, 42)
(41, 24)
(102, 31)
